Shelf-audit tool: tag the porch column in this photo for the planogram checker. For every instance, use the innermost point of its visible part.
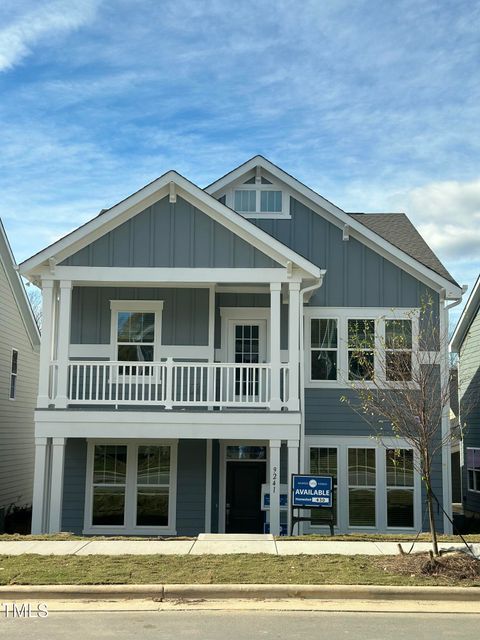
(275, 291)
(293, 345)
(275, 487)
(43, 398)
(40, 486)
(56, 483)
(63, 343)
(292, 468)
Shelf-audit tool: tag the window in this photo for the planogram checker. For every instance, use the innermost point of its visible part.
(246, 200)
(323, 461)
(13, 374)
(361, 344)
(153, 482)
(361, 487)
(398, 350)
(132, 487)
(258, 196)
(270, 201)
(324, 349)
(400, 476)
(109, 483)
(473, 469)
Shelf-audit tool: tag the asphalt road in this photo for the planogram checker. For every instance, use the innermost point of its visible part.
(241, 625)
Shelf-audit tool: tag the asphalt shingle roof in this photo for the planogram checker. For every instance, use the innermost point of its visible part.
(397, 229)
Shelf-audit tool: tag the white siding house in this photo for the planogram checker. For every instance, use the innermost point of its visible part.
(19, 359)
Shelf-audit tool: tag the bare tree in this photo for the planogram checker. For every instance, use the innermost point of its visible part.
(401, 384)
(35, 298)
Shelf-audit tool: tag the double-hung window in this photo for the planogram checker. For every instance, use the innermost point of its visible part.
(324, 461)
(400, 490)
(153, 485)
(362, 485)
(361, 349)
(13, 374)
(109, 484)
(324, 349)
(473, 469)
(398, 350)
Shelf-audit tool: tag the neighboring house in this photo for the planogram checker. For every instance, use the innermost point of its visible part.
(19, 358)
(466, 343)
(194, 348)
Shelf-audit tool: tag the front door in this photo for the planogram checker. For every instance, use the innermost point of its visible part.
(243, 496)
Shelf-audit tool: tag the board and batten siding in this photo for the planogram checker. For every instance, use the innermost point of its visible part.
(170, 235)
(16, 416)
(469, 392)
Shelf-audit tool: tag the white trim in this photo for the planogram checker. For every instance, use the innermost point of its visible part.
(13, 375)
(446, 426)
(342, 444)
(40, 485)
(56, 485)
(337, 216)
(129, 527)
(342, 315)
(153, 192)
(230, 315)
(466, 318)
(477, 490)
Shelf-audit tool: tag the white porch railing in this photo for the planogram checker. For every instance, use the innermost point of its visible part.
(171, 384)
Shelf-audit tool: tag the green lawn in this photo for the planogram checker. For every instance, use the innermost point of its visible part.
(246, 569)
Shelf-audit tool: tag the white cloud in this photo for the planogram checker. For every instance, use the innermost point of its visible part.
(36, 23)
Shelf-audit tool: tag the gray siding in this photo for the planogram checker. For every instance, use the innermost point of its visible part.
(170, 235)
(469, 391)
(191, 478)
(16, 416)
(184, 318)
(74, 485)
(356, 275)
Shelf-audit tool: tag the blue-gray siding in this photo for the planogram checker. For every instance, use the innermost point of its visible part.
(170, 235)
(191, 479)
(469, 390)
(74, 485)
(184, 318)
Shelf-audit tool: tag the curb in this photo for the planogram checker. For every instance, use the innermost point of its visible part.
(161, 592)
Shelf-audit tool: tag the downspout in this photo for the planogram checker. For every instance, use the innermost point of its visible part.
(303, 291)
(446, 450)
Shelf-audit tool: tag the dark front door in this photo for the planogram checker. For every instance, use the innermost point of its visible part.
(244, 488)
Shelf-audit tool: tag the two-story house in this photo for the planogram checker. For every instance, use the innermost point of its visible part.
(195, 347)
(466, 343)
(19, 358)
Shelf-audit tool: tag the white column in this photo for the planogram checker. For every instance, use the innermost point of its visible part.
(208, 488)
(275, 290)
(275, 487)
(39, 486)
(293, 345)
(43, 398)
(56, 483)
(63, 342)
(293, 448)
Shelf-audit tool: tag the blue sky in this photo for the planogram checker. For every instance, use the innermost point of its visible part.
(374, 104)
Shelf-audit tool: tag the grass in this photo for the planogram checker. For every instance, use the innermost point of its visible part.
(242, 568)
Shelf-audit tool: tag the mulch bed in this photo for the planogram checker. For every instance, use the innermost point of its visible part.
(451, 566)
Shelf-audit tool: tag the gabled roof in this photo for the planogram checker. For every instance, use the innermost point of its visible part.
(397, 229)
(18, 289)
(170, 182)
(409, 250)
(469, 313)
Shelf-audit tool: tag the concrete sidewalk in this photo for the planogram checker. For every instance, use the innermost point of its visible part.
(216, 544)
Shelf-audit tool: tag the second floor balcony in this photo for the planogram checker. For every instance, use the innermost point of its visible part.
(171, 384)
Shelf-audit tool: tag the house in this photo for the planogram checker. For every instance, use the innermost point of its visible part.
(19, 359)
(466, 343)
(194, 351)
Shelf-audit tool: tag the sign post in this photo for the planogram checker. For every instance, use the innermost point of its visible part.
(312, 492)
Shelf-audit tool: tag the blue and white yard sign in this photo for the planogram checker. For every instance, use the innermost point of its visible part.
(312, 491)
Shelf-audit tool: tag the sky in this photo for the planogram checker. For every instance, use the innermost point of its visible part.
(374, 104)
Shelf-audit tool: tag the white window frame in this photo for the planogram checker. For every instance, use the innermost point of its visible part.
(399, 487)
(13, 376)
(258, 187)
(129, 526)
(309, 342)
(342, 315)
(136, 306)
(242, 315)
(342, 444)
(475, 488)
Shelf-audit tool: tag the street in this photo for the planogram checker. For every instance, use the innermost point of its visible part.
(241, 625)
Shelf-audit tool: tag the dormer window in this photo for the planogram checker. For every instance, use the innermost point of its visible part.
(258, 197)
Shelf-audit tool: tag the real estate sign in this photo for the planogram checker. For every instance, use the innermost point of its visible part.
(310, 492)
